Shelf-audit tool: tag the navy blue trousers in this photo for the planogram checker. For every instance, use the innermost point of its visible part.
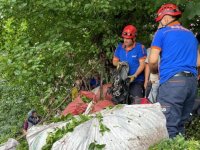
(136, 90)
(177, 97)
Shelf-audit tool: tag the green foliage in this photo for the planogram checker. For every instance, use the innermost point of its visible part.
(23, 145)
(103, 128)
(72, 123)
(178, 143)
(59, 119)
(193, 128)
(85, 99)
(95, 146)
(59, 133)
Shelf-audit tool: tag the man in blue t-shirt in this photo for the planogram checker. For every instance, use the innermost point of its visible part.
(179, 57)
(134, 54)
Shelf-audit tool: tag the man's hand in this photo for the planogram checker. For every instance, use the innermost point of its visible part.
(145, 84)
(198, 58)
(120, 64)
(132, 78)
(198, 77)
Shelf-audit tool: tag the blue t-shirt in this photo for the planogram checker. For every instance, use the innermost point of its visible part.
(132, 58)
(179, 50)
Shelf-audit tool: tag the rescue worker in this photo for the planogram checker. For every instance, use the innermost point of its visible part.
(33, 119)
(134, 54)
(179, 57)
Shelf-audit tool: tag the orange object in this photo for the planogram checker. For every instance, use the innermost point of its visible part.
(101, 105)
(76, 107)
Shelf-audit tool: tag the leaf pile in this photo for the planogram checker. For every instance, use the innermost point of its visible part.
(53, 137)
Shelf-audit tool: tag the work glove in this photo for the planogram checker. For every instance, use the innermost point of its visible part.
(120, 64)
(132, 78)
(153, 77)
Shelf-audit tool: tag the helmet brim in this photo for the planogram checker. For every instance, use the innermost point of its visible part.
(175, 14)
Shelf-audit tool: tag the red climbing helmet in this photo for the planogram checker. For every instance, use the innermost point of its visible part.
(129, 32)
(168, 9)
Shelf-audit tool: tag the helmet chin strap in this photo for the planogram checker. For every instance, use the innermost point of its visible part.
(167, 23)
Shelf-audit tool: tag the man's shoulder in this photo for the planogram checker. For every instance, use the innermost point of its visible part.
(120, 46)
(160, 32)
(30, 118)
(139, 45)
(162, 29)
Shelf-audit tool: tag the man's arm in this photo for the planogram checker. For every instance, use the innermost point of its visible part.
(198, 58)
(140, 69)
(115, 62)
(147, 73)
(153, 60)
(198, 63)
(116, 57)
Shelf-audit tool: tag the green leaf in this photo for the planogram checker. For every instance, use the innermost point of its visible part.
(100, 146)
(92, 146)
